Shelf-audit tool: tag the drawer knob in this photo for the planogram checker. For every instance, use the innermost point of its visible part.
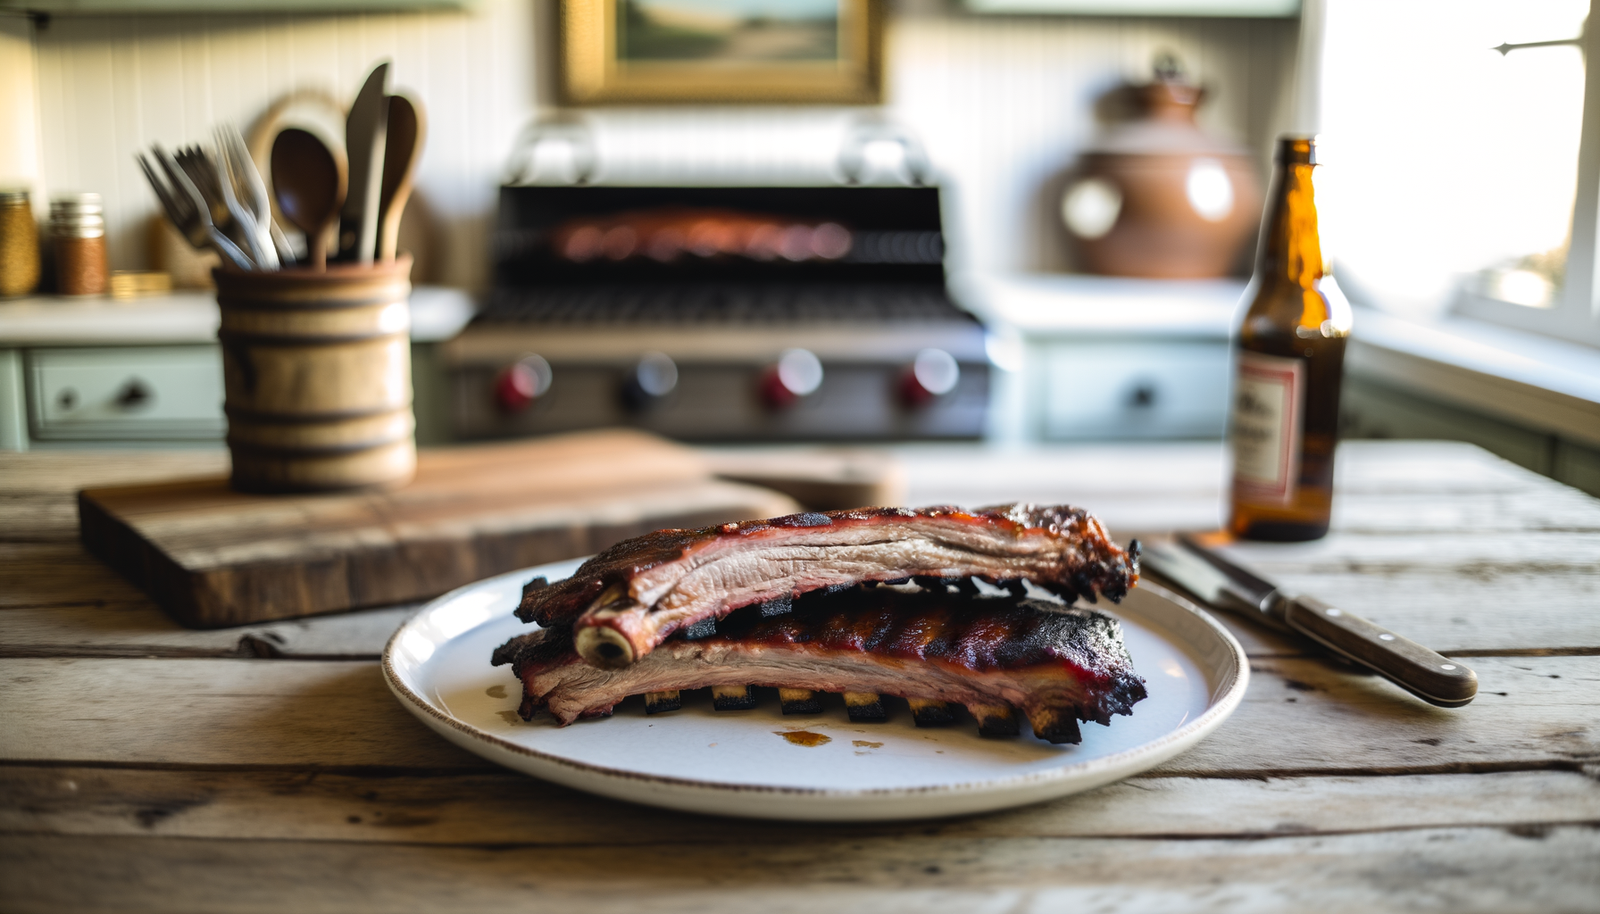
(1143, 396)
(651, 380)
(796, 374)
(134, 394)
(930, 376)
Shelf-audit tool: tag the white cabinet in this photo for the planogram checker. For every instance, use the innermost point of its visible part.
(1121, 389)
(154, 393)
(1098, 358)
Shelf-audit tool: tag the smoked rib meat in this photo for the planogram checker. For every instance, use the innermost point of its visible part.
(993, 655)
(631, 597)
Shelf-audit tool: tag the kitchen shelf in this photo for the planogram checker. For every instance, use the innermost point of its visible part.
(1250, 9)
(132, 7)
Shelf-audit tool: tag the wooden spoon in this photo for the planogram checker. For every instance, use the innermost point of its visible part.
(309, 181)
(402, 149)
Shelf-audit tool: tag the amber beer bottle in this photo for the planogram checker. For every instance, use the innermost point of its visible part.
(1291, 362)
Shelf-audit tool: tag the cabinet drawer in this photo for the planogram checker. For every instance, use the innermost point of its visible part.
(110, 394)
(1099, 390)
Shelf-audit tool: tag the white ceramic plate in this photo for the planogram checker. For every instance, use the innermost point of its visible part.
(744, 763)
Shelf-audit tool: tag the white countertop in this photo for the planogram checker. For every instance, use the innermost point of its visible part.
(437, 313)
(1061, 304)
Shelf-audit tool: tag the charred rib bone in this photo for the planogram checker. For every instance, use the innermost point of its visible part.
(929, 713)
(628, 599)
(998, 720)
(865, 707)
(732, 697)
(657, 702)
(800, 701)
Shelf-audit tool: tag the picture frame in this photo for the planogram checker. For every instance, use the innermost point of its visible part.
(722, 51)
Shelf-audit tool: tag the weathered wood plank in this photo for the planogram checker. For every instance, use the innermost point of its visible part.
(1303, 714)
(1500, 870)
(1483, 556)
(145, 631)
(230, 712)
(65, 472)
(504, 807)
(1496, 612)
(35, 518)
(60, 574)
(1300, 715)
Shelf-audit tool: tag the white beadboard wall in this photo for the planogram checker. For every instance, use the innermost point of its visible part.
(1002, 104)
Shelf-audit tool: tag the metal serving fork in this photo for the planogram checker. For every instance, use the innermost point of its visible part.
(187, 209)
(261, 250)
(198, 165)
(251, 191)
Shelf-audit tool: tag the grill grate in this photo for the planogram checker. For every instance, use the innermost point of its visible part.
(721, 303)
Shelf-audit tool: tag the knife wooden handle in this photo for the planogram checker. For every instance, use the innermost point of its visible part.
(1430, 676)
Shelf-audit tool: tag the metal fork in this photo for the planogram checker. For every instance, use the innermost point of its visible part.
(202, 171)
(263, 254)
(255, 195)
(187, 209)
(249, 189)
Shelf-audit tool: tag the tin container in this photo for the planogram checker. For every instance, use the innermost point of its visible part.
(78, 228)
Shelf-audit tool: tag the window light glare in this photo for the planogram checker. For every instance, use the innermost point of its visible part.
(1469, 156)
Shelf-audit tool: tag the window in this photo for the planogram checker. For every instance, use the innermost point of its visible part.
(1467, 168)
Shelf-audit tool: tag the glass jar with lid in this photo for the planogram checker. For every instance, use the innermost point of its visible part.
(19, 243)
(78, 228)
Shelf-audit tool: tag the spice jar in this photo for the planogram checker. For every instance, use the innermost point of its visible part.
(78, 225)
(19, 244)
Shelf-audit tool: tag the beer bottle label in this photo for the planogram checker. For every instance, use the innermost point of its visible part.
(1267, 419)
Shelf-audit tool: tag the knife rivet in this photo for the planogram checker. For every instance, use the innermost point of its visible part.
(1335, 612)
(1447, 666)
(1385, 637)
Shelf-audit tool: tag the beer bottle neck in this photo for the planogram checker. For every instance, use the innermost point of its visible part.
(1291, 248)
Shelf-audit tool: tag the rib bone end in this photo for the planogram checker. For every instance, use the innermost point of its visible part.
(1056, 725)
(800, 701)
(931, 713)
(997, 720)
(657, 702)
(865, 707)
(604, 647)
(733, 698)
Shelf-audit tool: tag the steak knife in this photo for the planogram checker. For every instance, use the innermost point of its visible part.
(1430, 676)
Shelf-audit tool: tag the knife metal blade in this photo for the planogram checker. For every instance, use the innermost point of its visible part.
(365, 136)
(1214, 579)
(1191, 572)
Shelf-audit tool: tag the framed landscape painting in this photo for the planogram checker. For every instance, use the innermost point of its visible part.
(742, 51)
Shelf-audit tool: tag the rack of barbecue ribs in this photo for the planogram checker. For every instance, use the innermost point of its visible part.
(869, 602)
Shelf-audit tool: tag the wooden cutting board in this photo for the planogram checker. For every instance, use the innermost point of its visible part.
(214, 557)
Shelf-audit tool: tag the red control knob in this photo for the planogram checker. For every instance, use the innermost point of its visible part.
(796, 374)
(522, 382)
(933, 374)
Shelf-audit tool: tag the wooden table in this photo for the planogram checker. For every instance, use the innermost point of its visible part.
(150, 768)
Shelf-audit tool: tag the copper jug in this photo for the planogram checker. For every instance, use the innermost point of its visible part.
(1156, 196)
